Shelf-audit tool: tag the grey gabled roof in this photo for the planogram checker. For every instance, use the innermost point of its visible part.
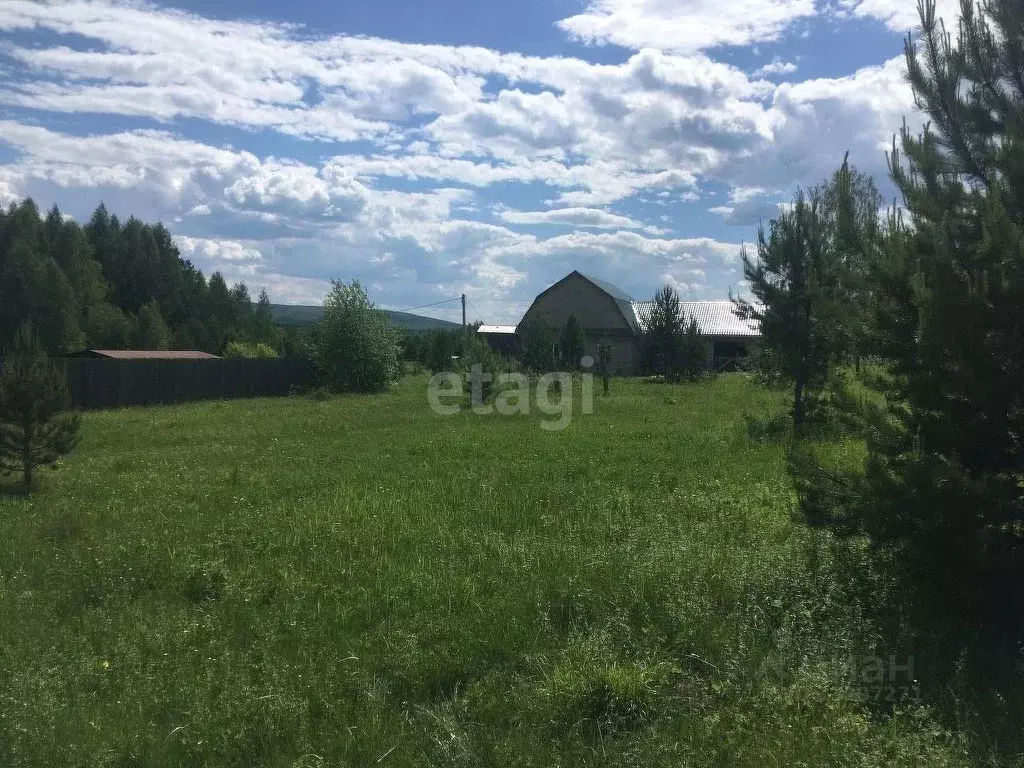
(714, 318)
(612, 290)
(622, 299)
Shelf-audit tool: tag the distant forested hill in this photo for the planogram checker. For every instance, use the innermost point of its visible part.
(294, 315)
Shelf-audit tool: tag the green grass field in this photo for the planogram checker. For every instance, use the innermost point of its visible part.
(359, 582)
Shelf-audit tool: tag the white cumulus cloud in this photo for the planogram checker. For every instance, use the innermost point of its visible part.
(685, 25)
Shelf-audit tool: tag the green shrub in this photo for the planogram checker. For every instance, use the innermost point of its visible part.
(250, 350)
(477, 353)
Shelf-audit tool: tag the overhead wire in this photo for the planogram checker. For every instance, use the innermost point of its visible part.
(424, 306)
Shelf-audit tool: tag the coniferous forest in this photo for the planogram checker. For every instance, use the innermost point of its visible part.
(117, 285)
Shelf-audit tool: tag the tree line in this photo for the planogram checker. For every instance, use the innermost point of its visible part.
(114, 285)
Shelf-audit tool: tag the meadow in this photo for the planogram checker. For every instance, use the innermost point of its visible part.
(357, 581)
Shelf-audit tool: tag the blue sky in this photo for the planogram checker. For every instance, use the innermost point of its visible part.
(430, 149)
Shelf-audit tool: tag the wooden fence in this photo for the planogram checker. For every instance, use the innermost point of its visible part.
(102, 383)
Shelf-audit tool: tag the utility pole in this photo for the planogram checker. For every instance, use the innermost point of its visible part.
(463, 312)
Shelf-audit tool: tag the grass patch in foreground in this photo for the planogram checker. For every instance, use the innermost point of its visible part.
(357, 581)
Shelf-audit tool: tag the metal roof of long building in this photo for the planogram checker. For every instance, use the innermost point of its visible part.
(496, 329)
(145, 354)
(714, 318)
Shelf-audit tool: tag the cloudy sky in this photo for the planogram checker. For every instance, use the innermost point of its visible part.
(431, 148)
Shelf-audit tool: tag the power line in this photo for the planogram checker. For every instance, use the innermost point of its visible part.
(424, 306)
(475, 309)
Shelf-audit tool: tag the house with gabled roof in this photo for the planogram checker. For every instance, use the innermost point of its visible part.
(606, 311)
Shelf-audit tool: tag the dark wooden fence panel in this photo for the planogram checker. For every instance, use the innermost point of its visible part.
(100, 383)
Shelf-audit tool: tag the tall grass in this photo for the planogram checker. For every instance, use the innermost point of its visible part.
(357, 581)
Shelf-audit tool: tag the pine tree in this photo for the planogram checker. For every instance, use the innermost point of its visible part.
(851, 204)
(663, 338)
(811, 287)
(942, 486)
(34, 430)
(784, 279)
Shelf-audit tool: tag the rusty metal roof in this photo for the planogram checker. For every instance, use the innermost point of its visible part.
(145, 354)
(714, 318)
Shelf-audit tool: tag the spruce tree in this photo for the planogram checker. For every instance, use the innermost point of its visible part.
(34, 429)
(82, 286)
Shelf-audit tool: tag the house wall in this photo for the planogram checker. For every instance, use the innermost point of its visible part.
(713, 349)
(598, 314)
(625, 354)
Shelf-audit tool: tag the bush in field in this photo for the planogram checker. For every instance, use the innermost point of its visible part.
(477, 353)
(440, 348)
(250, 350)
(354, 345)
(34, 431)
